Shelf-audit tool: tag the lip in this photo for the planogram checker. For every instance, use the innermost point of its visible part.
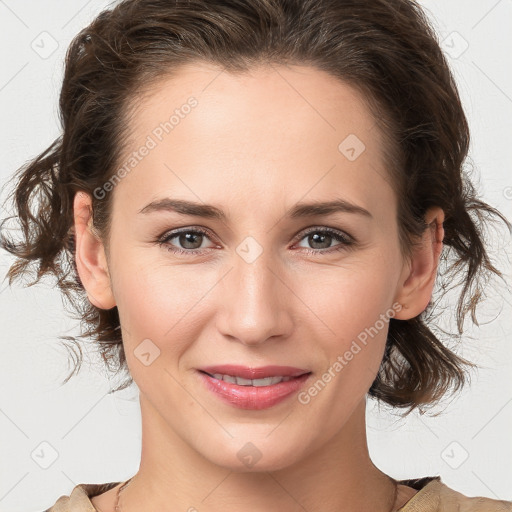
(253, 397)
(254, 373)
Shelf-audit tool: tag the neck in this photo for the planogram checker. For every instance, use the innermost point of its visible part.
(336, 476)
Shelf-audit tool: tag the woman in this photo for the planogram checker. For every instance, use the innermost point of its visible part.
(255, 198)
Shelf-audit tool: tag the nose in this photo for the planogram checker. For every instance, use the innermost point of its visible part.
(256, 301)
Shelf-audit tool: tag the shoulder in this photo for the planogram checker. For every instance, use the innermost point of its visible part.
(451, 499)
(435, 496)
(79, 498)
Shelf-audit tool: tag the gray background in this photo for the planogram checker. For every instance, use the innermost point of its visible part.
(54, 437)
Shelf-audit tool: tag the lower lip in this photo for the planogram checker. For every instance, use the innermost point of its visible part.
(253, 397)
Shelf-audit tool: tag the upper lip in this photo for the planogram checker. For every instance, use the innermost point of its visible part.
(254, 373)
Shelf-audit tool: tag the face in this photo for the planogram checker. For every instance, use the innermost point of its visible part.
(265, 282)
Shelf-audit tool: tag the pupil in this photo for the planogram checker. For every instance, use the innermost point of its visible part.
(314, 238)
(185, 239)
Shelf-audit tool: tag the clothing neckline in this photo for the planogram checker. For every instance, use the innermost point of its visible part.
(425, 487)
(422, 485)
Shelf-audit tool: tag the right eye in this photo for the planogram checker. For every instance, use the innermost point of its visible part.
(185, 237)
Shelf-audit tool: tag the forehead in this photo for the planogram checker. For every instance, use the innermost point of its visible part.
(272, 131)
(305, 99)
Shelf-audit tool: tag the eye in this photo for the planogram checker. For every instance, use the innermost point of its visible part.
(321, 238)
(190, 239)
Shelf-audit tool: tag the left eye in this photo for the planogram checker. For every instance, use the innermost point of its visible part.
(191, 240)
(320, 236)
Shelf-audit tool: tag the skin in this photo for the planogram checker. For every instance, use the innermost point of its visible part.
(255, 145)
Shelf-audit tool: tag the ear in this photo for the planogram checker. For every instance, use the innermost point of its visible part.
(419, 273)
(91, 261)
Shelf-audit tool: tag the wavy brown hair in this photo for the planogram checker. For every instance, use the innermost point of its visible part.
(387, 49)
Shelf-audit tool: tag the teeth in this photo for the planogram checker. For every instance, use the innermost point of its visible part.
(267, 381)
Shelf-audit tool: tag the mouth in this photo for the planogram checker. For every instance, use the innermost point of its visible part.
(245, 373)
(240, 381)
(253, 388)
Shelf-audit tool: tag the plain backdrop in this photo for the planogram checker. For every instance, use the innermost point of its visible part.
(54, 437)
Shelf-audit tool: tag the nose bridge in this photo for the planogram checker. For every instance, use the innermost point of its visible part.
(252, 295)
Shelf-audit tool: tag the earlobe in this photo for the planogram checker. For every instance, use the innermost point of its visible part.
(90, 255)
(419, 274)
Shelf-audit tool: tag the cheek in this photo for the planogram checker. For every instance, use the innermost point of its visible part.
(154, 291)
(354, 307)
(348, 298)
(164, 303)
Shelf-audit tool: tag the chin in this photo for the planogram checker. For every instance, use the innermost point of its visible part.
(261, 454)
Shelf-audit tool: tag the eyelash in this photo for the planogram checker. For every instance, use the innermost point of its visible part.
(346, 240)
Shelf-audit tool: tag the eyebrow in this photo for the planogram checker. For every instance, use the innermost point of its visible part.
(209, 211)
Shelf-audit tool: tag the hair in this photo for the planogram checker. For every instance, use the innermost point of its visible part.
(386, 49)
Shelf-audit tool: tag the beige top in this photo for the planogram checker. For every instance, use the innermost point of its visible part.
(432, 496)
